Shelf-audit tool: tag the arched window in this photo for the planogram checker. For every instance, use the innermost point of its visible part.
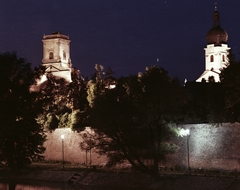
(211, 58)
(51, 55)
(223, 58)
(64, 55)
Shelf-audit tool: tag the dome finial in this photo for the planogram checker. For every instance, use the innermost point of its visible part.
(216, 35)
(216, 17)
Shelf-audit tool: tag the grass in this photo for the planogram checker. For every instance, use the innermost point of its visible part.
(58, 166)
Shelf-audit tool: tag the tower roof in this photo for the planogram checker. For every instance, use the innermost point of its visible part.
(56, 35)
(216, 35)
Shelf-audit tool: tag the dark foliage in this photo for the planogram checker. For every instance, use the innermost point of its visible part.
(133, 121)
(215, 102)
(62, 102)
(21, 138)
(230, 79)
(206, 104)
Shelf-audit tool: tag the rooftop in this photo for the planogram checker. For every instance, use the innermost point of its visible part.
(56, 35)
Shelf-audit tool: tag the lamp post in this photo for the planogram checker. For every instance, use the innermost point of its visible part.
(62, 137)
(188, 134)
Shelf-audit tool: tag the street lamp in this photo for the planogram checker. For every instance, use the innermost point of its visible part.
(188, 134)
(62, 137)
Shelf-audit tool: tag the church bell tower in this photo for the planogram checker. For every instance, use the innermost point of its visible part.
(56, 55)
(216, 52)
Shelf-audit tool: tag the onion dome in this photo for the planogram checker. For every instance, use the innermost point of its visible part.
(216, 35)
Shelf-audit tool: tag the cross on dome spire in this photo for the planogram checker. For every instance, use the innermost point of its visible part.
(215, 7)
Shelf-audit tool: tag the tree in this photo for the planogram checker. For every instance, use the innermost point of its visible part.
(100, 81)
(21, 137)
(62, 102)
(88, 142)
(135, 120)
(206, 104)
(230, 79)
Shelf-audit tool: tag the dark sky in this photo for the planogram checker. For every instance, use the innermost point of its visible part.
(126, 35)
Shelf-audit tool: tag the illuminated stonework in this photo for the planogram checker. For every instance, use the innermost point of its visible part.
(216, 52)
(56, 59)
(56, 55)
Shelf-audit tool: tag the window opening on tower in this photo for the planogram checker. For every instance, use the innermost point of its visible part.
(51, 55)
(211, 58)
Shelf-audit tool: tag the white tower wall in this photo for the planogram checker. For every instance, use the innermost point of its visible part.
(219, 54)
(216, 58)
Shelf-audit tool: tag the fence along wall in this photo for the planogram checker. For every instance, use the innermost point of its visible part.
(210, 146)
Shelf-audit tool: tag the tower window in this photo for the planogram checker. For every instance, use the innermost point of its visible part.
(211, 58)
(223, 58)
(51, 55)
(64, 55)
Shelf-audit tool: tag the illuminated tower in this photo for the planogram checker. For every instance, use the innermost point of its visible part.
(56, 55)
(56, 59)
(216, 51)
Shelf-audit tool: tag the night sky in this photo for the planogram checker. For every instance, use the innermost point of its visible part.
(126, 35)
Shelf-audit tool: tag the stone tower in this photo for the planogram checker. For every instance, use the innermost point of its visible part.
(56, 55)
(216, 52)
(56, 59)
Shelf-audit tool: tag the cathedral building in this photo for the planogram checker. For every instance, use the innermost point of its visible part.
(216, 52)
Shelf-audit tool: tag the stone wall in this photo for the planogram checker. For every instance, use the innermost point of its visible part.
(210, 146)
(72, 151)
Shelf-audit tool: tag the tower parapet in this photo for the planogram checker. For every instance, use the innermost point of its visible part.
(56, 35)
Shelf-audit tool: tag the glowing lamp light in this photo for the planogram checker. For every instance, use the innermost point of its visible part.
(184, 132)
(62, 136)
(112, 86)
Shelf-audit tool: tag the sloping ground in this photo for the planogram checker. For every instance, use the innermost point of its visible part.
(114, 180)
(47, 175)
(119, 180)
(141, 181)
(196, 183)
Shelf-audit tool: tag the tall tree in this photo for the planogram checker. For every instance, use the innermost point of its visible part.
(134, 120)
(230, 79)
(21, 138)
(62, 102)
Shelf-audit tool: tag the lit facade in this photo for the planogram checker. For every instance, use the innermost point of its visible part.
(56, 55)
(216, 52)
(56, 59)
